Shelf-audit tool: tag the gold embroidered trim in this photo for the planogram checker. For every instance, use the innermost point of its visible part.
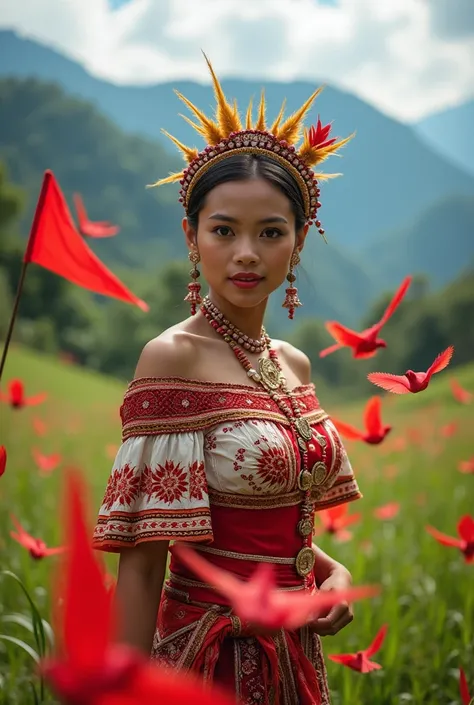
(153, 382)
(240, 501)
(246, 556)
(194, 644)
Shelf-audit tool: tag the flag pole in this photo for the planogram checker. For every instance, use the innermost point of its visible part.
(13, 318)
(26, 261)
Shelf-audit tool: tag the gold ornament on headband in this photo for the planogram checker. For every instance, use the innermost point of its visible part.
(225, 135)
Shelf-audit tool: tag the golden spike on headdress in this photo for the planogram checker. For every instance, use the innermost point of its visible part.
(290, 130)
(248, 117)
(189, 153)
(227, 119)
(261, 113)
(210, 131)
(279, 118)
(167, 180)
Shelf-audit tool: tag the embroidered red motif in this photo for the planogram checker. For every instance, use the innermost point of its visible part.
(168, 482)
(272, 466)
(197, 480)
(110, 490)
(127, 485)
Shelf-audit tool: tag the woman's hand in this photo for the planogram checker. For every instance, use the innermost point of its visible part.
(340, 615)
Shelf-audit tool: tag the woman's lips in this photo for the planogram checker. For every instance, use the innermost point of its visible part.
(246, 283)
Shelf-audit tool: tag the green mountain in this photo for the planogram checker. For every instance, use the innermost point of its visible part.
(439, 243)
(391, 175)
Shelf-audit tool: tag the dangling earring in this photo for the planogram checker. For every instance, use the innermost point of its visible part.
(194, 287)
(291, 299)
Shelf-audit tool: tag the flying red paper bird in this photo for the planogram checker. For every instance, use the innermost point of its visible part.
(36, 547)
(466, 466)
(16, 396)
(360, 661)
(411, 381)
(101, 228)
(258, 601)
(374, 432)
(39, 427)
(387, 511)
(46, 463)
(3, 459)
(335, 520)
(89, 667)
(364, 344)
(459, 393)
(463, 688)
(465, 542)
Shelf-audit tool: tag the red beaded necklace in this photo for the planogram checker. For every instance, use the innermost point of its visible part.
(270, 377)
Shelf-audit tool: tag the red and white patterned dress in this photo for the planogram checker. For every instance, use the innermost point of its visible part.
(217, 464)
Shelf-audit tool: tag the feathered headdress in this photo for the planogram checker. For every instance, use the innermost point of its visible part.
(225, 135)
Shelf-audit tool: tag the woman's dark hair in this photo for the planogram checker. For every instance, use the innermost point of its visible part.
(243, 167)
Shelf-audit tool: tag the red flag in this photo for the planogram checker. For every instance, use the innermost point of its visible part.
(55, 244)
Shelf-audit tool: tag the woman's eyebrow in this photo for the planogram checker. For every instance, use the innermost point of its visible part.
(230, 219)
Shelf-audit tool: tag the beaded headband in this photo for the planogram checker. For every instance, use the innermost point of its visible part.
(225, 136)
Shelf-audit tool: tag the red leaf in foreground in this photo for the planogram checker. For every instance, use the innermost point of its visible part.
(465, 542)
(258, 601)
(89, 668)
(16, 396)
(360, 661)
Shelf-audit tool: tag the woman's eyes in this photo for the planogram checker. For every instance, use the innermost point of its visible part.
(270, 233)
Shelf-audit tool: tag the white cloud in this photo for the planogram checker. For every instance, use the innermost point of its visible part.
(389, 52)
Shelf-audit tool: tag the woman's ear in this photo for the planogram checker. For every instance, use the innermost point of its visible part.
(301, 237)
(190, 234)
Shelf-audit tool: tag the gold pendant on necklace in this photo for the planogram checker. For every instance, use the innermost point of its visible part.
(269, 372)
(303, 428)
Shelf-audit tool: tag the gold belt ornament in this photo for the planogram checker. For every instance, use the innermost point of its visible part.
(305, 561)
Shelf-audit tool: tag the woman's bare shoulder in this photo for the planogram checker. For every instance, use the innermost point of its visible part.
(171, 354)
(295, 358)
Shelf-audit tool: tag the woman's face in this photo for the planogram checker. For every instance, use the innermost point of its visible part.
(245, 227)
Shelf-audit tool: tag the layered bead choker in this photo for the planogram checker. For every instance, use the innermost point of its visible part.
(270, 377)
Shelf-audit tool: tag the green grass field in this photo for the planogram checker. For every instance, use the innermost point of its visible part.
(427, 596)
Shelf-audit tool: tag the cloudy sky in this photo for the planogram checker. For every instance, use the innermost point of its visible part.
(409, 58)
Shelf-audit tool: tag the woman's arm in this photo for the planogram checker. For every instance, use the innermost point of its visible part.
(140, 580)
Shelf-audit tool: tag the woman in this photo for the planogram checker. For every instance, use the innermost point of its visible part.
(224, 441)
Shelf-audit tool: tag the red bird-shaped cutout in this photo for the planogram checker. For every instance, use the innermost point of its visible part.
(335, 520)
(258, 602)
(465, 542)
(411, 381)
(374, 432)
(16, 396)
(89, 666)
(36, 547)
(459, 393)
(364, 344)
(463, 689)
(3, 459)
(387, 511)
(101, 228)
(360, 661)
(466, 466)
(46, 463)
